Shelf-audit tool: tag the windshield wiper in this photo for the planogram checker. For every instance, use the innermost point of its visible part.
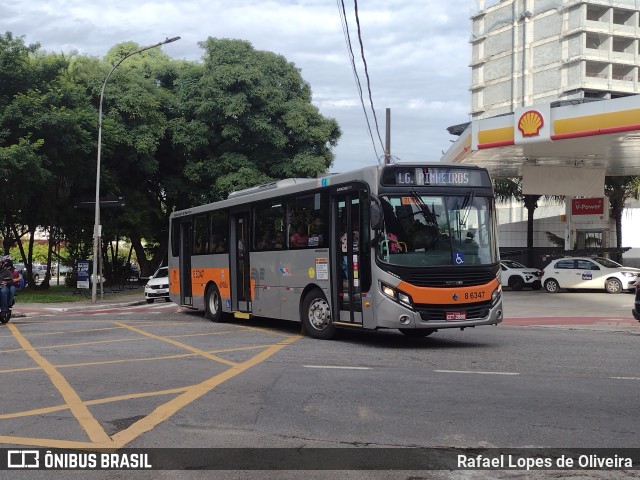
(466, 205)
(430, 217)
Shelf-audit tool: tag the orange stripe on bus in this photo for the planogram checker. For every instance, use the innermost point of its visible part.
(444, 296)
(200, 277)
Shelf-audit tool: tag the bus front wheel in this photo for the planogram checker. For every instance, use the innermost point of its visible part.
(213, 304)
(316, 316)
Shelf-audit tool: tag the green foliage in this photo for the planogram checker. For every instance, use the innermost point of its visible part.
(174, 134)
(40, 252)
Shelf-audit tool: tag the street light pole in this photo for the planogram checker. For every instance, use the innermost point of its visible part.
(97, 228)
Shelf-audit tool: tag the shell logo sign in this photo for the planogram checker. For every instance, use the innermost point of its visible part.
(530, 123)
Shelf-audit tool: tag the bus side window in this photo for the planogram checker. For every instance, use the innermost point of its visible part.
(268, 222)
(201, 235)
(219, 232)
(308, 220)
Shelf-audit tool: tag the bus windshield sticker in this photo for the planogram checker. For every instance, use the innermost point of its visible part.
(322, 269)
(459, 260)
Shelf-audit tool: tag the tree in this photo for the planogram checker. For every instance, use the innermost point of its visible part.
(44, 139)
(260, 122)
(175, 134)
(511, 189)
(618, 189)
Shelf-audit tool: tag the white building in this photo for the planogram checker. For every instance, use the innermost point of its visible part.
(537, 52)
(528, 52)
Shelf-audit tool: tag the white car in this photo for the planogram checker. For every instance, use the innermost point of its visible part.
(158, 286)
(517, 276)
(594, 273)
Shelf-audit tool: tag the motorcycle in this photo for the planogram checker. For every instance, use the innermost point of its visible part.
(5, 316)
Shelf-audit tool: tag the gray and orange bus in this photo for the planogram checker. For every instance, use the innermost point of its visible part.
(411, 247)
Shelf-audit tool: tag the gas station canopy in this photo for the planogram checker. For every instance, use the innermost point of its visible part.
(599, 137)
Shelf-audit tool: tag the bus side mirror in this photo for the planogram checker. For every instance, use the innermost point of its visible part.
(376, 214)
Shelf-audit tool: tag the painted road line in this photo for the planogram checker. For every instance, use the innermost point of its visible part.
(78, 408)
(335, 367)
(625, 378)
(184, 346)
(476, 372)
(163, 412)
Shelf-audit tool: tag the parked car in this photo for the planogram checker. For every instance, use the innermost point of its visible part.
(594, 273)
(158, 286)
(517, 276)
(38, 270)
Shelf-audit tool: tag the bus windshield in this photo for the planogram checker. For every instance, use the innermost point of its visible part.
(422, 230)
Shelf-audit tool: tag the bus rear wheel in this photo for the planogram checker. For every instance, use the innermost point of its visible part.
(213, 304)
(316, 316)
(417, 332)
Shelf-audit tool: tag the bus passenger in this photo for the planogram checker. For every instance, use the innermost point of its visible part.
(300, 237)
(265, 243)
(279, 243)
(199, 246)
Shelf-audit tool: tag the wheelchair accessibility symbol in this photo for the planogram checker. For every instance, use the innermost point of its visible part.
(459, 258)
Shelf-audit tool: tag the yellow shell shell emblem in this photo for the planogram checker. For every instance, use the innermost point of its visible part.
(530, 123)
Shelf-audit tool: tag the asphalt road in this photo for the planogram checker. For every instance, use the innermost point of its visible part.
(562, 372)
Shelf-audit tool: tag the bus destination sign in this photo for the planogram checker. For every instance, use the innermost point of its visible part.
(435, 176)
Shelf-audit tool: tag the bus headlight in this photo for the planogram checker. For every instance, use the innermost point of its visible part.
(495, 296)
(396, 295)
(388, 291)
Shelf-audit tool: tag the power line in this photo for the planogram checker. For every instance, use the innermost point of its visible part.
(366, 73)
(345, 29)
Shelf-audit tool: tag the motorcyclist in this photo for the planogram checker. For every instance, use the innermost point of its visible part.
(7, 289)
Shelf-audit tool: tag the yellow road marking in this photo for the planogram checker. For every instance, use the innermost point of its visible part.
(163, 412)
(91, 330)
(179, 344)
(264, 330)
(133, 360)
(98, 401)
(96, 342)
(79, 410)
(206, 333)
(98, 437)
(67, 332)
(52, 443)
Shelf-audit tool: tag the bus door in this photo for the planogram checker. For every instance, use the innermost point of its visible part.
(348, 235)
(240, 272)
(186, 297)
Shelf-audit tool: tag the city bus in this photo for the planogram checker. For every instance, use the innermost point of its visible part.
(411, 247)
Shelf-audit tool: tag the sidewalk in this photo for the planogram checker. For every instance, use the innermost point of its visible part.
(107, 301)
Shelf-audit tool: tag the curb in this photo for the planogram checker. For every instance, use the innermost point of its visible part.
(40, 308)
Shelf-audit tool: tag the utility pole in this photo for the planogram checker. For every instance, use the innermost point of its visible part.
(97, 228)
(387, 140)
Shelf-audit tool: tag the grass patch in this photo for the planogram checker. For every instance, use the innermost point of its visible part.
(62, 293)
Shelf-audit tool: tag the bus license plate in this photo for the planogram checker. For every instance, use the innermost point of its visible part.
(453, 316)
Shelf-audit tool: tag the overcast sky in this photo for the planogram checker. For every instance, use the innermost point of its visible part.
(417, 55)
